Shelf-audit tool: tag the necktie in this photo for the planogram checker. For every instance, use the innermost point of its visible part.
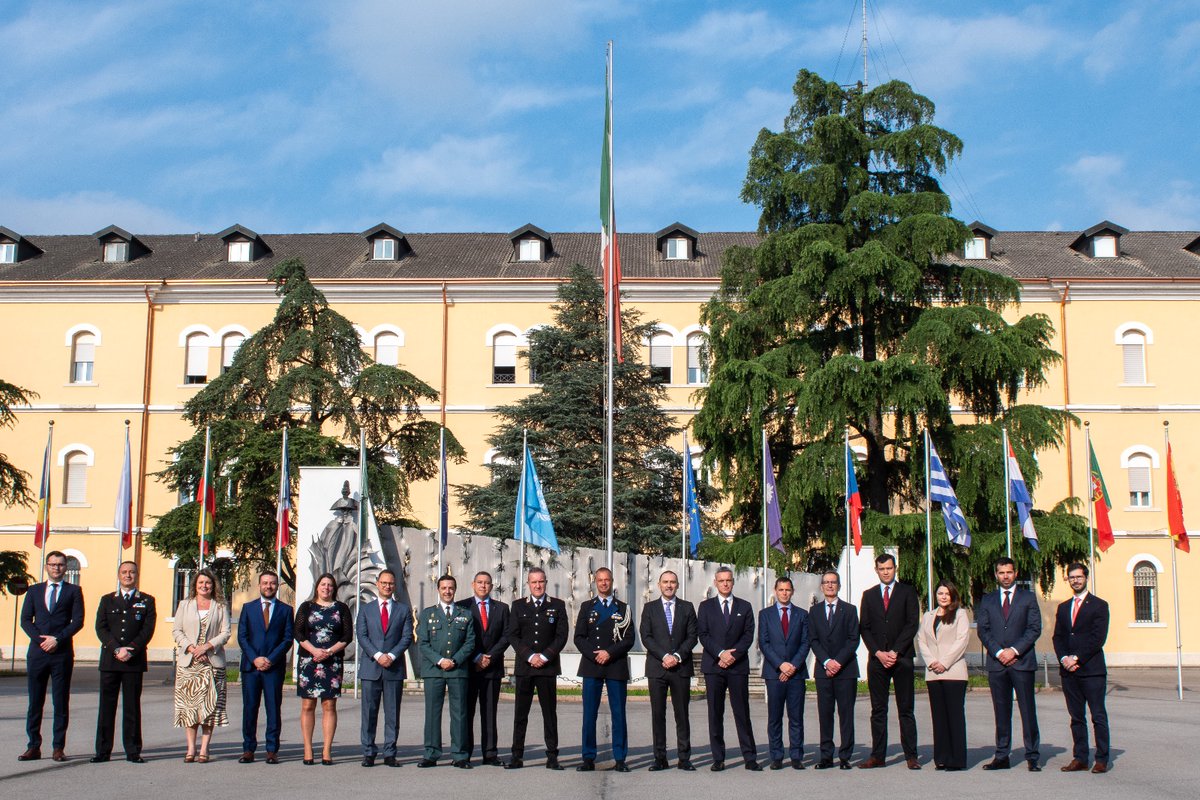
(266, 613)
(53, 596)
(829, 612)
(1006, 606)
(128, 596)
(887, 596)
(726, 612)
(670, 617)
(383, 614)
(483, 613)
(1075, 610)
(784, 620)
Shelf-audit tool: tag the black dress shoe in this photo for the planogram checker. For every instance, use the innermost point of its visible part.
(516, 763)
(426, 763)
(620, 766)
(464, 764)
(553, 764)
(1033, 766)
(390, 761)
(797, 763)
(776, 764)
(99, 759)
(135, 759)
(913, 763)
(824, 764)
(368, 761)
(997, 763)
(492, 762)
(308, 762)
(686, 766)
(587, 766)
(753, 766)
(845, 765)
(717, 766)
(659, 766)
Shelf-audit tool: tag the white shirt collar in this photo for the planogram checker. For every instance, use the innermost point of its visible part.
(1082, 595)
(724, 598)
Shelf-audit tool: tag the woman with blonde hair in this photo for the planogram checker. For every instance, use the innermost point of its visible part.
(201, 631)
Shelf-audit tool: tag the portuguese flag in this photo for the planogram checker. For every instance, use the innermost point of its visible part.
(1100, 503)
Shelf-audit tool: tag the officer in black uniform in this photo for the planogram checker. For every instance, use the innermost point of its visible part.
(537, 631)
(125, 625)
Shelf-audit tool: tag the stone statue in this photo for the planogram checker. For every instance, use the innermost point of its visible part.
(341, 548)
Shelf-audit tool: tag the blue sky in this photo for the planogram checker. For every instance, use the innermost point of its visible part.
(481, 115)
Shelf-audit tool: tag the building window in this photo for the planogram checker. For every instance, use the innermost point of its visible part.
(182, 583)
(1104, 246)
(83, 357)
(660, 357)
(976, 248)
(504, 358)
(387, 349)
(697, 361)
(8, 253)
(74, 568)
(239, 251)
(230, 343)
(75, 468)
(116, 251)
(1138, 467)
(1145, 592)
(677, 249)
(530, 250)
(196, 366)
(383, 248)
(1133, 354)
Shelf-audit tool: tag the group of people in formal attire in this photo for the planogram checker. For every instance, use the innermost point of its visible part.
(461, 648)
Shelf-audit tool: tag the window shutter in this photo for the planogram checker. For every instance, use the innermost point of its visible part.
(197, 356)
(1135, 360)
(505, 347)
(1139, 474)
(387, 349)
(75, 479)
(229, 348)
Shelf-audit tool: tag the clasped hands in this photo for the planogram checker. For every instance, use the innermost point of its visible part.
(727, 659)
(1008, 656)
(48, 643)
(886, 657)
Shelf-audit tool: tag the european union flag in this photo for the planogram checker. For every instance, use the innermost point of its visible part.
(691, 505)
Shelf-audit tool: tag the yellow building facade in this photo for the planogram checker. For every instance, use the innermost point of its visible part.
(116, 327)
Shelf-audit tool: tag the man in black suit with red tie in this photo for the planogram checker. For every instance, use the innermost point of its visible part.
(124, 624)
(725, 626)
(490, 618)
(51, 615)
(890, 619)
(669, 634)
(833, 632)
(1080, 630)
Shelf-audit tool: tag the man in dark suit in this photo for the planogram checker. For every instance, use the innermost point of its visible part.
(890, 618)
(384, 631)
(604, 637)
(725, 626)
(1009, 623)
(833, 632)
(265, 637)
(1080, 630)
(489, 617)
(447, 640)
(538, 631)
(669, 635)
(783, 639)
(51, 615)
(124, 624)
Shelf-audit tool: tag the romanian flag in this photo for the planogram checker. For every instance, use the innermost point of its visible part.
(206, 496)
(283, 504)
(41, 528)
(854, 506)
(1101, 504)
(1175, 523)
(610, 254)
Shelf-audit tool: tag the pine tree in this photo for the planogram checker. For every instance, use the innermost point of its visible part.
(565, 424)
(848, 313)
(14, 482)
(306, 371)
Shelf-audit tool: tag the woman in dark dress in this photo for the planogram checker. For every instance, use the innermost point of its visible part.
(324, 629)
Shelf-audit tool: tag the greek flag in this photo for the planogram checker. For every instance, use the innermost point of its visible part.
(532, 522)
(941, 491)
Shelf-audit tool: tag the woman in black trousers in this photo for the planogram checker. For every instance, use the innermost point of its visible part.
(942, 640)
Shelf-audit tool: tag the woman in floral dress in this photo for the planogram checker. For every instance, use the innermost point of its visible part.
(324, 629)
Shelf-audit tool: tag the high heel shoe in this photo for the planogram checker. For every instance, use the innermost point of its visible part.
(327, 762)
(308, 762)
(189, 758)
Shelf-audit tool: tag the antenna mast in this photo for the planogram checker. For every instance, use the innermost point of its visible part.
(864, 43)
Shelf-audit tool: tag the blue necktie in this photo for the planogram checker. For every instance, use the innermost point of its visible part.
(670, 617)
(53, 596)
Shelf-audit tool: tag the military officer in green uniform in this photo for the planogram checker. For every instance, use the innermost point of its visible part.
(446, 640)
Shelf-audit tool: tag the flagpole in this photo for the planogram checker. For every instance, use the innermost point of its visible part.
(204, 498)
(1174, 577)
(441, 501)
(846, 484)
(683, 513)
(1087, 433)
(929, 526)
(121, 532)
(521, 505)
(1007, 492)
(764, 517)
(608, 338)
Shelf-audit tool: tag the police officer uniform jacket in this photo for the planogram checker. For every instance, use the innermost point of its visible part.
(604, 628)
(533, 630)
(125, 623)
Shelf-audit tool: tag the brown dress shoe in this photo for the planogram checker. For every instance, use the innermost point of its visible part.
(272, 758)
(913, 763)
(871, 763)
(58, 755)
(247, 758)
(32, 754)
(1100, 767)
(1074, 765)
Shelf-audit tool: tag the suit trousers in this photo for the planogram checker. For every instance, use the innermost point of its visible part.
(680, 688)
(56, 670)
(546, 687)
(129, 685)
(947, 707)
(839, 694)
(716, 684)
(785, 695)
(616, 690)
(483, 695)
(265, 688)
(1004, 683)
(879, 678)
(386, 695)
(1080, 691)
(436, 689)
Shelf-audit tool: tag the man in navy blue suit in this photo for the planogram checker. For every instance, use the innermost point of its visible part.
(265, 636)
(51, 615)
(1080, 630)
(725, 625)
(783, 639)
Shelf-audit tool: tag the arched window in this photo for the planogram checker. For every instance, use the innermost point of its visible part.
(697, 360)
(387, 349)
(504, 358)
(74, 568)
(660, 357)
(83, 357)
(1138, 466)
(75, 466)
(196, 359)
(1133, 357)
(230, 343)
(185, 568)
(1145, 592)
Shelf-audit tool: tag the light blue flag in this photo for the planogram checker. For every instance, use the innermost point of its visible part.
(690, 501)
(533, 524)
(941, 491)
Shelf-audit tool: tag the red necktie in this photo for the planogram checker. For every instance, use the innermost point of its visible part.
(785, 622)
(887, 596)
(266, 614)
(483, 613)
(1075, 610)
(1007, 606)
(383, 614)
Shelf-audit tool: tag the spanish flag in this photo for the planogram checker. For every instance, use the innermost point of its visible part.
(1175, 522)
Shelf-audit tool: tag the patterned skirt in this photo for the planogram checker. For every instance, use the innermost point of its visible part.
(200, 696)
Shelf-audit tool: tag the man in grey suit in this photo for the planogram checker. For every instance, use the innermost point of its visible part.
(783, 639)
(833, 631)
(669, 635)
(385, 630)
(1009, 623)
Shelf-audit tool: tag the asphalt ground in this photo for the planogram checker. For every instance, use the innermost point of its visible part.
(1153, 735)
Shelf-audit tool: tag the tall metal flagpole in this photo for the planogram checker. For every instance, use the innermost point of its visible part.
(1087, 432)
(1007, 493)
(1174, 576)
(608, 339)
(684, 544)
(764, 517)
(204, 497)
(362, 523)
(846, 484)
(521, 505)
(283, 481)
(441, 568)
(928, 525)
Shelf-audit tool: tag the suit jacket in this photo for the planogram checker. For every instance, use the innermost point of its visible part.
(894, 629)
(611, 629)
(948, 645)
(372, 639)
(544, 631)
(837, 639)
(125, 624)
(186, 631)
(778, 649)
(492, 642)
(1021, 630)
(716, 636)
(63, 622)
(1085, 638)
(440, 637)
(659, 642)
(274, 641)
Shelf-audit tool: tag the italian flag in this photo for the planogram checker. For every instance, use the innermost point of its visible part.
(610, 254)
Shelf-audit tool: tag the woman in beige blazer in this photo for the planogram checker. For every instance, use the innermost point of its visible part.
(942, 639)
(201, 631)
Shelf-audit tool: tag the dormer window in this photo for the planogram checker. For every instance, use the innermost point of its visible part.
(239, 251)
(387, 243)
(530, 250)
(976, 249)
(1104, 245)
(677, 249)
(676, 242)
(8, 252)
(383, 248)
(531, 243)
(116, 251)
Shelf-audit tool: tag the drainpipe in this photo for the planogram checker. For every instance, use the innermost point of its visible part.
(143, 453)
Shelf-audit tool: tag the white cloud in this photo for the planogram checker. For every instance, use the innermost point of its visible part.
(86, 212)
(1140, 203)
(1112, 45)
(455, 167)
(731, 36)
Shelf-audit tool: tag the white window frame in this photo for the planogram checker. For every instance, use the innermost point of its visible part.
(976, 249)
(383, 248)
(83, 370)
(1133, 358)
(697, 374)
(195, 356)
(529, 249)
(677, 249)
(8, 252)
(1140, 484)
(228, 350)
(504, 357)
(239, 252)
(1154, 603)
(116, 252)
(1104, 245)
(75, 464)
(661, 340)
(387, 341)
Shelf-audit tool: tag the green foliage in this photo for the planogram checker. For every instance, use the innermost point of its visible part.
(14, 482)
(13, 565)
(849, 315)
(304, 371)
(565, 423)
